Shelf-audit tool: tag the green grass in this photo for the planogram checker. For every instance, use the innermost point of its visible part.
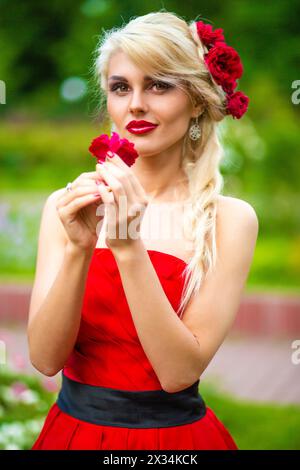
(255, 426)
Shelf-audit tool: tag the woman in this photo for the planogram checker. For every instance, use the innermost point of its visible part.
(134, 319)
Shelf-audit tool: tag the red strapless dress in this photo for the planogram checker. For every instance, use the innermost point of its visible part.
(108, 353)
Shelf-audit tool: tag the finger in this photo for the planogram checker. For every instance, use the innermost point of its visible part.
(123, 177)
(138, 189)
(119, 163)
(88, 182)
(100, 176)
(90, 175)
(106, 195)
(74, 206)
(116, 185)
(114, 158)
(108, 179)
(77, 192)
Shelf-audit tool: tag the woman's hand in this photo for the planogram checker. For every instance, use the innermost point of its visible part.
(77, 209)
(126, 204)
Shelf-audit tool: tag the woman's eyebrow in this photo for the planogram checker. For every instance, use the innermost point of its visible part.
(119, 77)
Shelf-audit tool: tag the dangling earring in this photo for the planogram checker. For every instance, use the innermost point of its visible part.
(195, 131)
(113, 127)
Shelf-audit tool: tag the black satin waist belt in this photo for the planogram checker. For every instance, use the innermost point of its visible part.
(130, 409)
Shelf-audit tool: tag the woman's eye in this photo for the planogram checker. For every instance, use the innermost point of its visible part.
(117, 86)
(160, 85)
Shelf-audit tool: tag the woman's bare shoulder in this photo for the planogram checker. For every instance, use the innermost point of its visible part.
(228, 203)
(234, 209)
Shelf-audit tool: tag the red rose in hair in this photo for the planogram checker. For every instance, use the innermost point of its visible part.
(224, 64)
(229, 87)
(102, 144)
(237, 104)
(207, 35)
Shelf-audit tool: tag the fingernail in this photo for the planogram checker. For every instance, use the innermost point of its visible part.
(110, 154)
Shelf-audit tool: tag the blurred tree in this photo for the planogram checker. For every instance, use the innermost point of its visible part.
(45, 42)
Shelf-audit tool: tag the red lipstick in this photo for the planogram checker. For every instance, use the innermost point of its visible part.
(140, 127)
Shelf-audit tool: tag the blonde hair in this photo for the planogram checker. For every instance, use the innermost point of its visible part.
(166, 46)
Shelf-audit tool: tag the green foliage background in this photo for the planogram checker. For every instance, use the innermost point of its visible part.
(44, 138)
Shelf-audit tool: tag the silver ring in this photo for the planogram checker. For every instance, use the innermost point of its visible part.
(69, 187)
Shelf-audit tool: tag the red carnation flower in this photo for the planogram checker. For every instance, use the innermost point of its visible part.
(224, 64)
(207, 35)
(102, 144)
(237, 104)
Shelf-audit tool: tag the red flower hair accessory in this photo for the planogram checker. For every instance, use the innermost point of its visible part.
(225, 66)
(207, 35)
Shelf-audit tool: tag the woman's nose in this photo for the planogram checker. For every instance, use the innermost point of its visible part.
(138, 102)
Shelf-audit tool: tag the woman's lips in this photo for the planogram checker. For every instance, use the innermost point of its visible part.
(141, 130)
